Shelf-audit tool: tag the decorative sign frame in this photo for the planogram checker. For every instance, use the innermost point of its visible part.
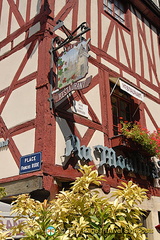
(72, 67)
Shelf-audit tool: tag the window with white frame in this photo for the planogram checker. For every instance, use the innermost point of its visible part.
(124, 108)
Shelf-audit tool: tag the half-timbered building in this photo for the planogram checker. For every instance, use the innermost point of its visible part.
(71, 71)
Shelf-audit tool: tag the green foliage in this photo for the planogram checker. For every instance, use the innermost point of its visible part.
(80, 213)
(150, 142)
(2, 192)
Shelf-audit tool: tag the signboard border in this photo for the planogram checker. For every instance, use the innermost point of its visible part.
(32, 170)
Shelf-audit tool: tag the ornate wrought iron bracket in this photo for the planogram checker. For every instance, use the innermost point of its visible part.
(70, 36)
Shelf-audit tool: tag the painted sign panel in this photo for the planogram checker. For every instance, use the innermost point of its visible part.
(131, 90)
(73, 65)
(57, 96)
(30, 163)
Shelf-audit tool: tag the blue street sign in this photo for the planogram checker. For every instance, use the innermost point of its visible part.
(30, 163)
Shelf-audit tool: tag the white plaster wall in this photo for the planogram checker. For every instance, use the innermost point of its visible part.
(127, 38)
(156, 51)
(97, 139)
(19, 39)
(68, 20)
(22, 8)
(21, 105)
(112, 45)
(9, 66)
(1, 99)
(110, 65)
(123, 56)
(8, 165)
(148, 36)
(92, 70)
(94, 23)
(136, 43)
(4, 20)
(35, 8)
(154, 109)
(145, 60)
(14, 24)
(92, 54)
(93, 97)
(149, 123)
(62, 130)
(122, 51)
(105, 25)
(81, 11)
(32, 63)
(81, 128)
(129, 77)
(25, 142)
(5, 49)
(59, 4)
(149, 90)
(155, 82)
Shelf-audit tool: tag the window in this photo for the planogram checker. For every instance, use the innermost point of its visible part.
(123, 108)
(116, 8)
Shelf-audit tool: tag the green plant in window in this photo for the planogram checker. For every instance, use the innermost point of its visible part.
(150, 142)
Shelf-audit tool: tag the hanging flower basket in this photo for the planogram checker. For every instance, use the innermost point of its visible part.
(140, 139)
(124, 143)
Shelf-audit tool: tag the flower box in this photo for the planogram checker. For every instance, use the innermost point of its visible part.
(123, 143)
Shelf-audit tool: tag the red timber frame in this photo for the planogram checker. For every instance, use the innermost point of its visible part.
(45, 140)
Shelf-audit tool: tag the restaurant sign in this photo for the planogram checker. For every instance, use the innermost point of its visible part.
(108, 157)
(72, 66)
(131, 90)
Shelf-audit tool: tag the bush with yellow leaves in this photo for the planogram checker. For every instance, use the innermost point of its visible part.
(80, 213)
(3, 231)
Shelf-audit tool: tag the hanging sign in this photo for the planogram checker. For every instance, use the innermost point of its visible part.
(30, 163)
(72, 66)
(72, 87)
(131, 90)
(80, 108)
